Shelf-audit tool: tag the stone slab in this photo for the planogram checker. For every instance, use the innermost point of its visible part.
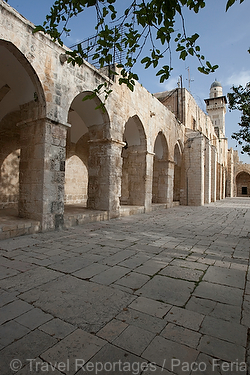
(13, 310)
(154, 308)
(224, 350)
(28, 347)
(167, 290)
(134, 339)
(165, 353)
(88, 305)
(57, 328)
(111, 360)
(141, 320)
(230, 277)
(228, 331)
(182, 273)
(185, 318)
(219, 293)
(75, 349)
(29, 279)
(111, 330)
(181, 335)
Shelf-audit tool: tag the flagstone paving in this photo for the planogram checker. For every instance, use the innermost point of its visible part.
(167, 292)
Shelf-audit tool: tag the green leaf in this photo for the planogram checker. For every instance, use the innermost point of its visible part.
(229, 4)
(183, 55)
(38, 28)
(191, 51)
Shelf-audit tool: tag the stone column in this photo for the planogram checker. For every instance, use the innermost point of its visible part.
(219, 181)
(207, 172)
(230, 174)
(42, 172)
(105, 171)
(170, 183)
(194, 163)
(149, 180)
(223, 183)
(213, 173)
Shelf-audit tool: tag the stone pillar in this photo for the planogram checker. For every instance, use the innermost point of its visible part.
(170, 183)
(207, 172)
(194, 163)
(105, 171)
(213, 173)
(42, 172)
(223, 183)
(230, 174)
(219, 181)
(149, 180)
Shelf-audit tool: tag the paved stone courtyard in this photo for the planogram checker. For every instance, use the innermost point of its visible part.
(161, 293)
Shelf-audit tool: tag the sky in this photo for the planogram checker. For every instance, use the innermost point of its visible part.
(224, 40)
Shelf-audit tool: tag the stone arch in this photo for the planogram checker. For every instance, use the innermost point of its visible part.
(160, 170)
(20, 87)
(134, 163)
(177, 171)
(22, 100)
(87, 135)
(243, 184)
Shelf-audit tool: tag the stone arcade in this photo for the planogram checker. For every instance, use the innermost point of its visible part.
(59, 154)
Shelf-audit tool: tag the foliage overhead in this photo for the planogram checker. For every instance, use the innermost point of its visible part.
(239, 99)
(143, 21)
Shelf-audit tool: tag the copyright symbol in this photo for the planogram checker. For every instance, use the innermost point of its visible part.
(15, 365)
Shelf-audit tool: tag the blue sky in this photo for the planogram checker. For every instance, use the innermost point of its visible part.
(224, 40)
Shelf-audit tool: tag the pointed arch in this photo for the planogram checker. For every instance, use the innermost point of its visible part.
(21, 98)
(134, 133)
(85, 167)
(20, 85)
(243, 184)
(84, 116)
(133, 163)
(160, 170)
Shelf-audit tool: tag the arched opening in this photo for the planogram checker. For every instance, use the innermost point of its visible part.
(76, 181)
(243, 184)
(160, 170)
(83, 161)
(9, 181)
(177, 172)
(133, 164)
(21, 98)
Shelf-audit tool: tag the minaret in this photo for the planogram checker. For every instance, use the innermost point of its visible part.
(216, 106)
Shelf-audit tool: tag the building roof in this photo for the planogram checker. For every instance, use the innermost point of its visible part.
(216, 84)
(217, 97)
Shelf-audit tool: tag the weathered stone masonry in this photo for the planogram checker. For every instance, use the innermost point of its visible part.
(144, 150)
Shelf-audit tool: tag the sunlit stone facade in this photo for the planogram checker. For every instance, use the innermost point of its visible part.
(143, 151)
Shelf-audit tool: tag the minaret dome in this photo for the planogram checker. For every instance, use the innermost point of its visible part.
(216, 90)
